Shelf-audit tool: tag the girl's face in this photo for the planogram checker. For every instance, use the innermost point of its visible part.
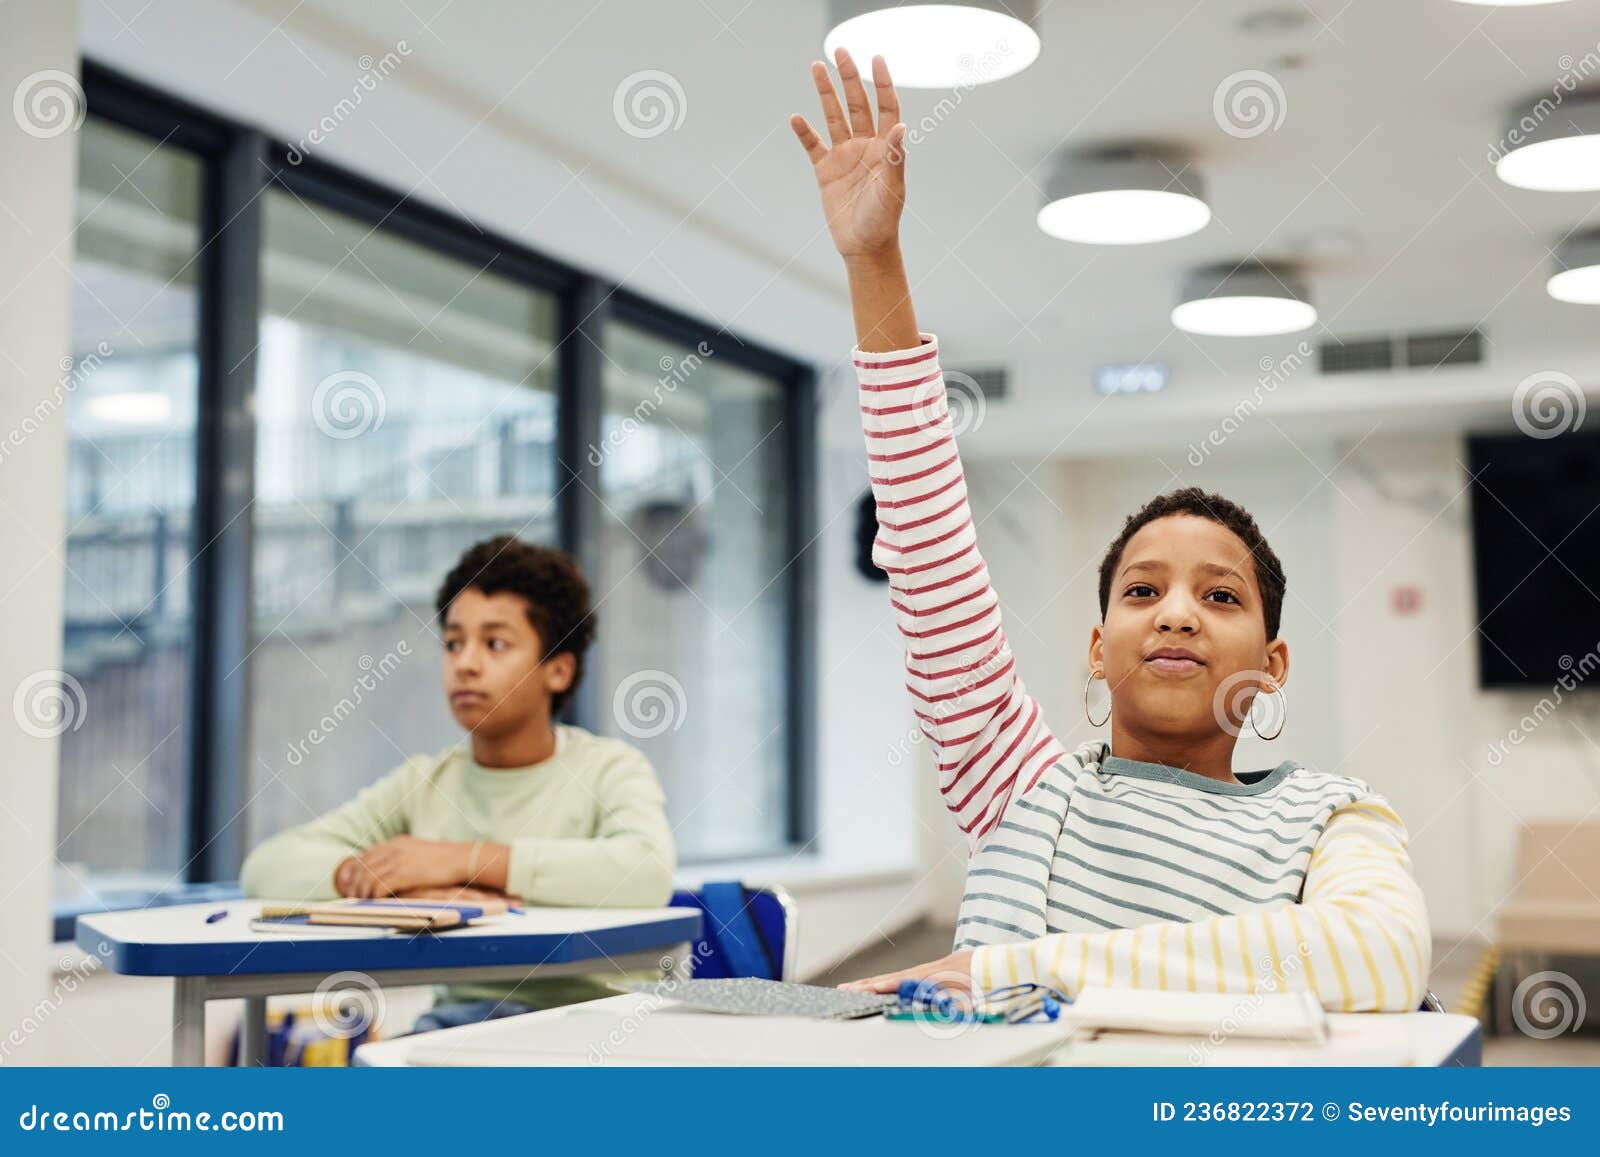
(1184, 645)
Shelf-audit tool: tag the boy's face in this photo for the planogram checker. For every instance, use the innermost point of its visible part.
(1187, 585)
(493, 679)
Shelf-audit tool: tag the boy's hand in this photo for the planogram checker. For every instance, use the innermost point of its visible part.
(862, 178)
(402, 863)
(953, 971)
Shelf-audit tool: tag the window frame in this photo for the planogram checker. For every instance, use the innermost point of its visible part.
(239, 164)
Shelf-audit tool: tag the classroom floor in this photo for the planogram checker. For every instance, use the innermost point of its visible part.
(926, 941)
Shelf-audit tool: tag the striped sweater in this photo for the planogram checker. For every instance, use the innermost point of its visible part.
(1087, 868)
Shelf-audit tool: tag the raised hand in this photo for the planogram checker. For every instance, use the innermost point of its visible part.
(862, 177)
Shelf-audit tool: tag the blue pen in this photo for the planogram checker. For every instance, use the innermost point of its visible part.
(217, 915)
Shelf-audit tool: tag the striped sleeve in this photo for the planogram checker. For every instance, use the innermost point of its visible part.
(988, 736)
(1359, 938)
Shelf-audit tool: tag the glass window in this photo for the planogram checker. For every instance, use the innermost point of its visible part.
(405, 409)
(120, 703)
(692, 652)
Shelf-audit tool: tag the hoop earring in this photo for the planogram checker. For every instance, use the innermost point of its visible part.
(1092, 721)
(1284, 699)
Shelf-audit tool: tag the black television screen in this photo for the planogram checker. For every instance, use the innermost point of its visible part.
(1536, 547)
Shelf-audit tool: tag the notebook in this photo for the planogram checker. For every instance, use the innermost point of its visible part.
(403, 915)
(1279, 1016)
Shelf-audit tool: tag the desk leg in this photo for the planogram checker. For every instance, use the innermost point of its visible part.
(253, 1032)
(189, 1021)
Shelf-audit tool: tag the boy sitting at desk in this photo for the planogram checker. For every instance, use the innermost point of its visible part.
(532, 811)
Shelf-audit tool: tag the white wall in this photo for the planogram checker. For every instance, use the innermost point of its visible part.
(38, 182)
(1411, 683)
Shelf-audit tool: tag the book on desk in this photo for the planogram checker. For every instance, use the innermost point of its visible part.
(393, 915)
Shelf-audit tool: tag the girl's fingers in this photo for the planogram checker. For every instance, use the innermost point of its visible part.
(855, 95)
(838, 127)
(809, 140)
(888, 99)
(888, 982)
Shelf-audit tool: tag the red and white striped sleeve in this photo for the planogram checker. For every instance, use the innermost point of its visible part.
(988, 736)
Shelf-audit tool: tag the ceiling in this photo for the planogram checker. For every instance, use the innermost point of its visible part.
(1376, 178)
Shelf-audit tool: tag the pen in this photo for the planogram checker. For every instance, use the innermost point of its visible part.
(217, 915)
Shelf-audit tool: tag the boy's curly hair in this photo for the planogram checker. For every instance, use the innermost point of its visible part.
(551, 582)
(1193, 500)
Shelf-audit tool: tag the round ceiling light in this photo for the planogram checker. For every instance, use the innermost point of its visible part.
(1554, 148)
(1249, 299)
(1577, 276)
(1122, 197)
(937, 45)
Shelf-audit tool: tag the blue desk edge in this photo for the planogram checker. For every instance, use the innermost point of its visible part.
(261, 955)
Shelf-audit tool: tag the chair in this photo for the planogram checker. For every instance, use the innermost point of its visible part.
(1553, 910)
(747, 931)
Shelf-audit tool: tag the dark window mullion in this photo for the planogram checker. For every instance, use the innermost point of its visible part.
(229, 292)
(580, 402)
(802, 683)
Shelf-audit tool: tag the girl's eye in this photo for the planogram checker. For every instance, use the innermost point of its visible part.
(452, 645)
(498, 644)
(1226, 596)
(1140, 590)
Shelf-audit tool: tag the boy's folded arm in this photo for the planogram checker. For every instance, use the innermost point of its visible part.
(986, 730)
(627, 863)
(298, 863)
(1359, 938)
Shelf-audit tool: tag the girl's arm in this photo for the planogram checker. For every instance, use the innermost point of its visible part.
(987, 731)
(1359, 938)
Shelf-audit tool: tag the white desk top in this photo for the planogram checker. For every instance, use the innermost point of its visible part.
(635, 1029)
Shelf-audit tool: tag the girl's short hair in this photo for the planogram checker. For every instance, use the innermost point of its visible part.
(1193, 500)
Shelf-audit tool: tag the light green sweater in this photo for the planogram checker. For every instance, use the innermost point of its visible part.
(587, 828)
